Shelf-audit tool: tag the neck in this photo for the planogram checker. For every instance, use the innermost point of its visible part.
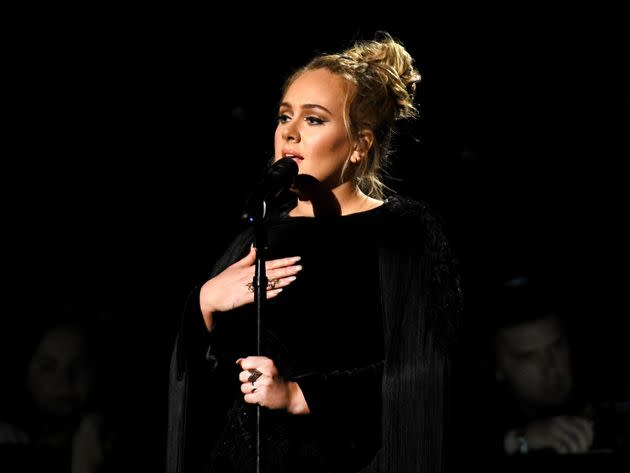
(342, 200)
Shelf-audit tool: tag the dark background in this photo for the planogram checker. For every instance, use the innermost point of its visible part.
(132, 137)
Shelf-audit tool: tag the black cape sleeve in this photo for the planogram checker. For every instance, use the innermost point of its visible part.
(193, 363)
(422, 304)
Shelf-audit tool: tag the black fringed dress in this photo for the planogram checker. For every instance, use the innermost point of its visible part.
(364, 330)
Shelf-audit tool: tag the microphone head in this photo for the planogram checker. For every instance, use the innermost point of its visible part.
(286, 167)
(277, 178)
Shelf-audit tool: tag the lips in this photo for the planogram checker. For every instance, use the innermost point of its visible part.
(290, 154)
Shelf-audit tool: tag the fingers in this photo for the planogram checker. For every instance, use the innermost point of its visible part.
(254, 391)
(234, 287)
(284, 272)
(253, 398)
(273, 284)
(571, 435)
(262, 384)
(578, 433)
(277, 283)
(252, 376)
(260, 363)
(590, 432)
(248, 259)
(280, 273)
(282, 262)
(271, 293)
(256, 377)
(249, 388)
(277, 279)
(257, 371)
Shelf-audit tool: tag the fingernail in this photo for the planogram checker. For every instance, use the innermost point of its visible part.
(297, 258)
(238, 362)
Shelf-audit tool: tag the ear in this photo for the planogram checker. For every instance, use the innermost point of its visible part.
(365, 139)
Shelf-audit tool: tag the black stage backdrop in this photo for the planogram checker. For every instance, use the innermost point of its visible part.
(132, 139)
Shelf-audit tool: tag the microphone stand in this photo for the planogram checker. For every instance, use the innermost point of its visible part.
(260, 298)
(276, 178)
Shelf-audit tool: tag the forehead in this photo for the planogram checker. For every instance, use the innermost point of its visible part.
(61, 343)
(319, 87)
(531, 335)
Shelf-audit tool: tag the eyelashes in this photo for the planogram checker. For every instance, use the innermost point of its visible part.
(311, 120)
(282, 118)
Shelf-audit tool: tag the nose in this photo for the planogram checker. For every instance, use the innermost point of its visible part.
(552, 364)
(290, 132)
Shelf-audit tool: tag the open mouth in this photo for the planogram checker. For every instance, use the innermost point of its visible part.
(295, 157)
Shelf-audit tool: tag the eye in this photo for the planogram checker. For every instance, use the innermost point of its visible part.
(46, 365)
(283, 118)
(525, 356)
(314, 120)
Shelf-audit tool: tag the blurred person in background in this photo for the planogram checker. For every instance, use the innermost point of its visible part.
(52, 417)
(543, 400)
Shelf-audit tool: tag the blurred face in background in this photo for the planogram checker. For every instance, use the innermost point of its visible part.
(533, 358)
(59, 374)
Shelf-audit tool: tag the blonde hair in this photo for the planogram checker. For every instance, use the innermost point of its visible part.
(383, 78)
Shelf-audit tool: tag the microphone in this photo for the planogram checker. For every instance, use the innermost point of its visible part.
(275, 179)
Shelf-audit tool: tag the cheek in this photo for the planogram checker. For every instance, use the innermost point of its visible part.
(335, 144)
(277, 143)
(37, 380)
(524, 376)
(565, 359)
(85, 377)
(40, 390)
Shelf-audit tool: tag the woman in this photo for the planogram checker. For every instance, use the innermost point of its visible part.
(53, 421)
(362, 298)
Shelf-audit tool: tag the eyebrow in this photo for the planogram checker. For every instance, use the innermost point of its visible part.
(308, 106)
